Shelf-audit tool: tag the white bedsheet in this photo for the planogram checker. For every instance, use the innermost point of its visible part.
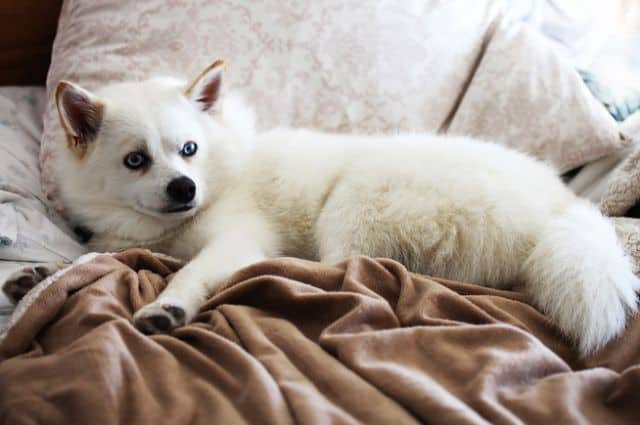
(6, 307)
(30, 232)
(29, 228)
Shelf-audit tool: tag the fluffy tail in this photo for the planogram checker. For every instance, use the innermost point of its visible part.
(579, 275)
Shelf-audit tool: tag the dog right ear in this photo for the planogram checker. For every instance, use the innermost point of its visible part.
(80, 115)
(205, 90)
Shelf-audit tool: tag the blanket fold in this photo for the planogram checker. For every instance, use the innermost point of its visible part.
(292, 341)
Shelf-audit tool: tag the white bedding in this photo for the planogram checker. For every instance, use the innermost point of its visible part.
(6, 308)
(29, 228)
(30, 232)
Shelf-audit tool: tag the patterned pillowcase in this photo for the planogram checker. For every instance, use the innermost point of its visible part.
(29, 230)
(525, 95)
(335, 65)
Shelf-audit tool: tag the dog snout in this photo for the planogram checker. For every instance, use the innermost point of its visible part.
(181, 189)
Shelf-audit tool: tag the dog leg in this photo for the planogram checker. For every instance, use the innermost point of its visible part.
(190, 287)
(19, 283)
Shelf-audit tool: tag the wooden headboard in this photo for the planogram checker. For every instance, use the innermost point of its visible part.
(27, 29)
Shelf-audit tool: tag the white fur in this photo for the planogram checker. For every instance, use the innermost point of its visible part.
(445, 206)
(583, 280)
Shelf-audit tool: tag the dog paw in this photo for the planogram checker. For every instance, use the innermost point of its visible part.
(19, 283)
(159, 318)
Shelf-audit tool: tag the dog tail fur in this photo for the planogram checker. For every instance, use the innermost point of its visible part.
(579, 275)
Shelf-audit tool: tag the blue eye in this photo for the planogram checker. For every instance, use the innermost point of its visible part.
(135, 160)
(189, 149)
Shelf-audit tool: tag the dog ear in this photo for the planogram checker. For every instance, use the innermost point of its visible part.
(80, 115)
(205, 90)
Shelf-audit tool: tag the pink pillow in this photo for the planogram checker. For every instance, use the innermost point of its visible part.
(348, 65)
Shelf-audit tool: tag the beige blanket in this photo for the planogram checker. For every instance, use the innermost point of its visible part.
(292, 341)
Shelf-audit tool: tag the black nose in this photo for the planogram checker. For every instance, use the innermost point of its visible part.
(182, 189)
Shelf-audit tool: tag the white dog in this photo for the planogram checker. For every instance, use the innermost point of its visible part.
(178, 169)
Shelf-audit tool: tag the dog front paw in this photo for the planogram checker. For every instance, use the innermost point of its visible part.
(160, 317)
(19, 283)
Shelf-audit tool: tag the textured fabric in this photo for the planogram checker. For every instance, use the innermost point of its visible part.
(613, 182)
(291, 341)
(6, 306)
(375, 66)
(29, 229)
(628, 230)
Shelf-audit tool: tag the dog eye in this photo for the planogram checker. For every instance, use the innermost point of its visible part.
(189, 149)
(135, 160)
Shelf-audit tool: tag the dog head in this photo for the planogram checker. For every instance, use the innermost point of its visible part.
(144, 156)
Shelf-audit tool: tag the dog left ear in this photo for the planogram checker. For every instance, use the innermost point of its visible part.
(205, 90)
(80, 115)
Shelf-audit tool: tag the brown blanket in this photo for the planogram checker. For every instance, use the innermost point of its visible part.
(292, 341)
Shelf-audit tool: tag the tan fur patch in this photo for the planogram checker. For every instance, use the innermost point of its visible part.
(216, 64)
(74, 143)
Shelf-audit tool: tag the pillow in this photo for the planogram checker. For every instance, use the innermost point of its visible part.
(374, 66)
(525, 95)
(29, 230)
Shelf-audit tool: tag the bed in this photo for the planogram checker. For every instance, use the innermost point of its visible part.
(287, 341)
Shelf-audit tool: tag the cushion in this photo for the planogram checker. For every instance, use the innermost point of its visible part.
(525, 95)
(345, 66)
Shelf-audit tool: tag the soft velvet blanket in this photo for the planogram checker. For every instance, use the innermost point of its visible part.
(292, 341)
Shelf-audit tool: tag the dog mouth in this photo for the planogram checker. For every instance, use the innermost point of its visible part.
(178, 209)
(168, 212)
